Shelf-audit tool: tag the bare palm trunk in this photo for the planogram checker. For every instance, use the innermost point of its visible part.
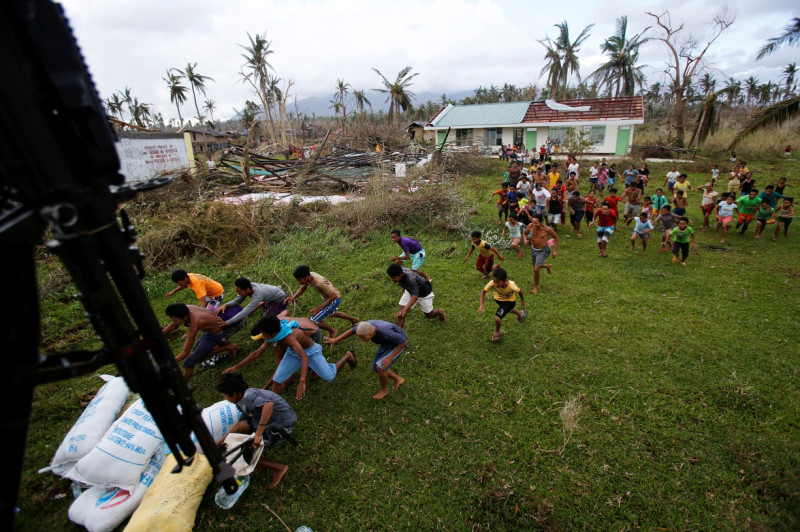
(177, 106)
(194, 97)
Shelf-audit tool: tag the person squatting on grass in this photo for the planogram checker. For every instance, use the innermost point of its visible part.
(267, 417)
(412, 249)
(681, 236)
(417, 292)
(505, 292)
(486, 252)
(391, 340)
(330, 298)
(210, 343)
(296, 350)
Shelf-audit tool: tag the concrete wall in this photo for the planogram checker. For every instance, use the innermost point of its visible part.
(145, 156)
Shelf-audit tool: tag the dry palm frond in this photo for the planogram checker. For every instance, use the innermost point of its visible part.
(774, 115)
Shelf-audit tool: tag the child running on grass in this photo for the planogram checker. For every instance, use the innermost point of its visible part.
(668, 222)
(784, 219)
(486, 252)
(505, 296)
(391, 340)
(725, 210)
(502, 202)
(681, 236)
(514, 233)
(411, 250)
(762, 217)
(330, 298)
(539, 236)
(606, 221)
(641, 231)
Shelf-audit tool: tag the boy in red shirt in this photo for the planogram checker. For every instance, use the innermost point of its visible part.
(606, 220)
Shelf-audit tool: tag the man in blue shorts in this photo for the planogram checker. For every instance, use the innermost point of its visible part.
(330, 298)
(411, 250)
(391, 342)
(297, 350)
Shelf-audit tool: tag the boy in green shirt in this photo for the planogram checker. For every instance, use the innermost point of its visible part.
(747, 209)
(681, 235)
(762, 216)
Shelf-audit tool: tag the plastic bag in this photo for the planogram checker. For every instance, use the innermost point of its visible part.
(240, 466)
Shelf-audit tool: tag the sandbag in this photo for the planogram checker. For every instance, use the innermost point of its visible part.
(104, 509)
(95, 420)
(171, 502)
(220, 418)
(123, 453)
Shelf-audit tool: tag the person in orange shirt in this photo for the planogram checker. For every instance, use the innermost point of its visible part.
(209, 293)
(502, 202)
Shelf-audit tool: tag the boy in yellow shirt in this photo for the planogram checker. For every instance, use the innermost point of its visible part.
(505, 296)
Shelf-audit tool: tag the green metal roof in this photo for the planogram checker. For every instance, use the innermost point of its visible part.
(488, 114)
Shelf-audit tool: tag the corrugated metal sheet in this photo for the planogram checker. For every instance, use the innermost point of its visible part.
(489, 114)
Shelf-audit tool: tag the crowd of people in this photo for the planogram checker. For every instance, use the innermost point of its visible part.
(534, 202)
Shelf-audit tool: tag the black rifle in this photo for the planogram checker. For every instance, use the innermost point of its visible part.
(59, 176)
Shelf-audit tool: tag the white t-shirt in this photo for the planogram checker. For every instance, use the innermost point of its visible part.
(524, 187)
(574, 167)
(673, 176)
(593, 172)
(541, 196)
(726, 210)
(709, 197)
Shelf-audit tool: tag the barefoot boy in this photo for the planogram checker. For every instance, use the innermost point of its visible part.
(268, 415)
(486, 252)
(391, 342)
(197, 319)
(296, 350)
(681, 236)
(330, 298)
(417, 292)
(641, 231)
(538, 235)
(505, 296)
(411, 250)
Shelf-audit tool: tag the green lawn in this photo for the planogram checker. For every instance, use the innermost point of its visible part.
(637, 394)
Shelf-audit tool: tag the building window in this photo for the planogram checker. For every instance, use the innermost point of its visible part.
(597, 134)
(463, 137)
(493, 137)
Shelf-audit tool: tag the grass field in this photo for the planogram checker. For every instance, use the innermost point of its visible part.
(638, 394)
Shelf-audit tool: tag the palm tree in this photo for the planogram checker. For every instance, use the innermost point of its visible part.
(707, 83)
(789, 72)
(198, 83)
(177, 92)
(340, 97)
(569, 53)
(398, 95)
(114, 105)
(360, 98)
(140, 112)
(210, 105)
(791, 37)
(256, 62)
(127, 99)
(621, 70)
(552, 66)
(751, 87)
(733, 88)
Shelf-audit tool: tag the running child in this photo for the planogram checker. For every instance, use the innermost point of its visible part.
(708, 202)
(681, 235)
(502, 201)
(606, 222)
(762, 216)
(412, 249)
(680, 203)
(647, 207)
(539, 237)
(785, 216)
(514, 232)
(747, 209)
(591, 202)
(417, 292)
(641, 231)
(331, 298)
(486, 252)
(505, 292)
(725, 210)
(668, 222)
(659, 201)
(577, 210)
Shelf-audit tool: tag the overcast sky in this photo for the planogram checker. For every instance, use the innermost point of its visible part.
(454, 45)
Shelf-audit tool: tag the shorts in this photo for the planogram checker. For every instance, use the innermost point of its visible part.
(708, 209)
(762, 221)
(214, 302)
(383, 352)
(611, 181)
(425, 304)
(417, 259)
(785, 221)
(202, 348)
(670, 185)
(604, 233)
(593, 180)
(745, 218)
(515, 240)
(326, 311)
(538, 256)
(291, 362)
(502, 208)
(538, 209)
(724, 219)
(679, 211)
(553, 218)
(631, 209)
(577, 217)
(273, 308)
(484, 264)
(643, 236)
(504, 307)
(589, 216)
(272, 435)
